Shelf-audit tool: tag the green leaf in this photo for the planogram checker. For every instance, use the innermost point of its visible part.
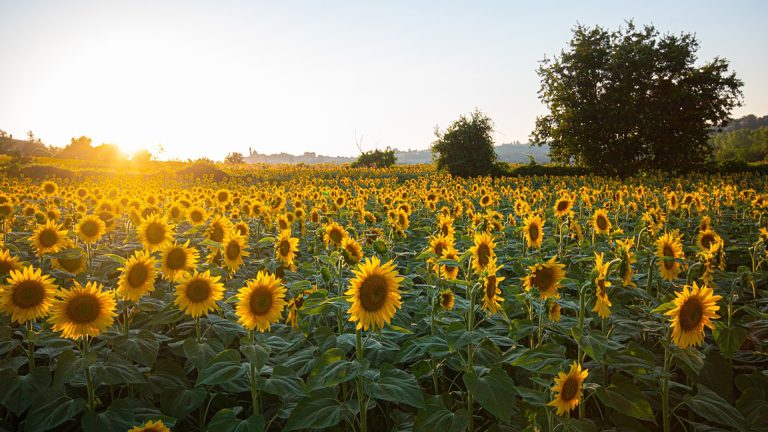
(116, 258)
(623, 396)
(332, 369)
(52, 411)
(226, 366)
(315, 413)
(436, 417)
(284, 383)
(712, 407)
(17, 391)
(69, 365)
(140, 346)
(116, 371)
(198, 353)
(397, 386)
(265, 241)
(545, 358)
(664, 307)
(226, 421)
(257, 354)
(729, 340)
(493, 392)
(118, 418)
(179, 403)
(598, 345)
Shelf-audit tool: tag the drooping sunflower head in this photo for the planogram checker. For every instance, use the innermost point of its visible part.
(137, 277)
(482, 252)
(447, 299)
(261, 302)
(83, 311)
(218, 229)
(707, 238)
(75, 263)
(567, 389)
(491, 292)
(233, 250)
(600, 222)
(545, 277)
(48, 238)
(155, 233)
(334, 234)
(374, 293)
(177, 260)
(286, 248)
(28, 295)
(554, 311)
(8, 263)
(449, 271)
(533, 228)
(352, 251)
(197, 293)
(151, 426)
(695, 308)
(91, 228)
(669, 249)
(627, 259)
(445, 226)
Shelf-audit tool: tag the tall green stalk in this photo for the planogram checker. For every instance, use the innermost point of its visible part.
(360, 395)
(470, 354)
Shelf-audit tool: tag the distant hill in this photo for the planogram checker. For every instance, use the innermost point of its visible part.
(513, 152)
(750, 122)
(12, 146)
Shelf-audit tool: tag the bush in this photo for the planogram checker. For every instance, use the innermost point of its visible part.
(375, 159)
(465, 149)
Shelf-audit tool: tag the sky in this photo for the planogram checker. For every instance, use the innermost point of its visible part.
(205, 78)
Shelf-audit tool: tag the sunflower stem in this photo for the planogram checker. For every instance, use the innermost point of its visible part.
(665, 385)
(31, 349)
(580, 332)
(360, 396)
(470, 354)
(197, 329)
(88, 379)
(255, 402)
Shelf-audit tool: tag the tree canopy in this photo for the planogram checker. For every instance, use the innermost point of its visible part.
(376, 159)
(465, 148)
(631, 99)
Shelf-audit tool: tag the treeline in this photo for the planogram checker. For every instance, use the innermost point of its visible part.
(744, 139)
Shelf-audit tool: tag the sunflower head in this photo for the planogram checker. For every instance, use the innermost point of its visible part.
(334, 234)
(545, 277)
(563, 206)
(533, 231)
(351, 250)
(567, 389)
(482, 252)
(196, 215)
(138, 276)
(151, 426)
(491, 292)
(91, 228)
(707, 238)
(669, 249)
(28, 295)
(261, 302)
(695, 308)
(83, 310)
(447, 299)
(600, 222)
(286, 248)
(8, 263)
(155, 233)
(233, 249)
(218, 229)
(197, 293)
(374, 293)
(48, 238)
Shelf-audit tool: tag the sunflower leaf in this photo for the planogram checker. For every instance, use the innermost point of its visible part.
(492, 392)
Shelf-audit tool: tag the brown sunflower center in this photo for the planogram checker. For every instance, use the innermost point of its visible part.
(70, 264)
(223, 197)
(196, 216)
(335, 235)
(137, 275)
(445, 229)
(155, 233)
(562, 206)
(690, 314)
(6, 266)
(373, 293)
(707, 240)
(176, 259)
(90, 228)
(198, 290)
(446, 299)
(285, 247)
(217, 233)
(483, 254)
(533, 231)
(27, 294)
(233, 250)
(543, 279)
(83, 309)
(490, 287)
(49, 188)
(570, 389)
(48, 238)
(261, 301)
(602, 223)
(282, 224)
(669, 255)
(438, 250)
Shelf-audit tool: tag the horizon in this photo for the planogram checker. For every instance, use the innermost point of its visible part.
(206, 80)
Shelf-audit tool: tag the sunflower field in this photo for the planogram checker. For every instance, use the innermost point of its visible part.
(295, 298)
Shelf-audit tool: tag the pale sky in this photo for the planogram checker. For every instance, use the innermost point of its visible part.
(209, 78)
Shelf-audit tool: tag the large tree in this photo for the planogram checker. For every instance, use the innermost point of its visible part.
(633, 99)
(465, 148)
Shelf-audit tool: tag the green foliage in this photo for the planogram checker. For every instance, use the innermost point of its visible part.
(750, 145)
(633, 99)
(465, 148)
(376, 159)
(234, 158)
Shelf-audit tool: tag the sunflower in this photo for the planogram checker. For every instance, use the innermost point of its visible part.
(48, 238)
(447, 271)
(83, 310)
(176, 260)
(295, 304)
(602, 303)
(334, 234)
(233, 250)
(373, 293)
(138, 276)
(49, 188)
(695, 307)
(196, 215)
(600, 222)
(568, 389)
(8, 262)
(218, 229)
(155, 233)
(554, 311)
(28, 295)
(197, 293)
(563, 206)
(286, 248)
(482, 252)
(491, 292)
(533, 230)
(437, 244)
(261, 302)
(627, 259)
(283, 223)
(446, 299)
(243, 229)
(669, 249)
(73, 265)
(352, 251)
(707, 238)
(445, 226)
(151, 426)
(545, 277)
(90, 229)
